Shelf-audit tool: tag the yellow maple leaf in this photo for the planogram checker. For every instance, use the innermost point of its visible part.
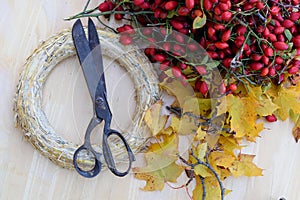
(229, 144)
(221, 159)
(201, 151)
(200, 134)
(212, 189)
(167, 131)
(202, 171)
(160, 163)
(244, 166)
(198, 106)
(288, 99)
(155, 180)
(191, 107)
(161, 153)
(263, 104)
(154, 120)
(176, 89)
(243, 117)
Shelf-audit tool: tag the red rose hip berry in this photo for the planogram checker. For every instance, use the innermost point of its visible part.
(171, 5)
(271, 118)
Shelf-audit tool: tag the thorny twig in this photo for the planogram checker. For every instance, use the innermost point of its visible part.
(206, 122)
(206, 164)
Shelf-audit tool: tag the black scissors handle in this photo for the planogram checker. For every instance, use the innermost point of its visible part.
(88, 147)
(108, 154)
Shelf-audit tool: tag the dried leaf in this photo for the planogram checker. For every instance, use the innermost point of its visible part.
(243, 117)
(212, 188)
(296, 133)
(156, 180)
(175, 123)
(168, 131)
(154, 120)
(162, 153)
(198, 190)
(245, 166)
(198, 106)
(229, 144)
(202, 171)
(213, 191)
(296, 130)
(288, 99)
(200, 134)
(262, 104)
(176, 89)
(201, 151)
(221, 159)
(160, 159)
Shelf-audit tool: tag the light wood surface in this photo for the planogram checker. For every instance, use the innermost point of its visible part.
(25, 174)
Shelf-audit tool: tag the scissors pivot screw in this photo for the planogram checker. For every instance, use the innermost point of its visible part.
(99, 101)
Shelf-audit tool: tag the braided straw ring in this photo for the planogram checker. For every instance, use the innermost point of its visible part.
(31, 118)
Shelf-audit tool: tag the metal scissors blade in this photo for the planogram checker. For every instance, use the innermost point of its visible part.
(90, 56)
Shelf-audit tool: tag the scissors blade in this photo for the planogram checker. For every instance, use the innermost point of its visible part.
(95, 46)
(87, 56)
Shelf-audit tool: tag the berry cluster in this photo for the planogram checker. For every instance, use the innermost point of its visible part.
(253, 41)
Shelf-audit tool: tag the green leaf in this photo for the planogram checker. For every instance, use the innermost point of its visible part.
(205, 59)
(171, 14)
(288, 34)
(199, 22)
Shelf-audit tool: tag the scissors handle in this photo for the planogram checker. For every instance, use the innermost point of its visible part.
(97, 166)
(88, 147)
(108, 154)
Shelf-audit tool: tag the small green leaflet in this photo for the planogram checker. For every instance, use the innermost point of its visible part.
(288, 34)
(199, 22)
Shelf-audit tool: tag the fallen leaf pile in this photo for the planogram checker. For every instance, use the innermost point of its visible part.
(219, 128)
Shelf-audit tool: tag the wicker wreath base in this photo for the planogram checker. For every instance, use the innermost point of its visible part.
(31, 118)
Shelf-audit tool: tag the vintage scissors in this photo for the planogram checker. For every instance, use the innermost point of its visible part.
(90, 58)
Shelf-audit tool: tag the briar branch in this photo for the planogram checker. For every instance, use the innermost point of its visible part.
(206, 164)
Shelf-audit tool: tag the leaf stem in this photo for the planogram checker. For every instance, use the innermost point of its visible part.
(84, 14)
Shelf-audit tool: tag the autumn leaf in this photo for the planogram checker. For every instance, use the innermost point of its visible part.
(212, 189)
(198, 106)
(262, 103)
(192, 107)
(155, 180)
(176, 89)
(243, 117)
(244, 166)
(221, 159)
(203, 171)
(161, 153)
(200, 134)
(288, 99)
(198, 190)
(296, 130)
(201, 151)
(160, 164)
(296, 133)
(229, 144)
(168, 131)
(154, 120)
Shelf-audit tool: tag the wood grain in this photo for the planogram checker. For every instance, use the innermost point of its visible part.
(25, 174)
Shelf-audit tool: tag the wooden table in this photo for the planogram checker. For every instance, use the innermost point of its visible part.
(25, 174)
